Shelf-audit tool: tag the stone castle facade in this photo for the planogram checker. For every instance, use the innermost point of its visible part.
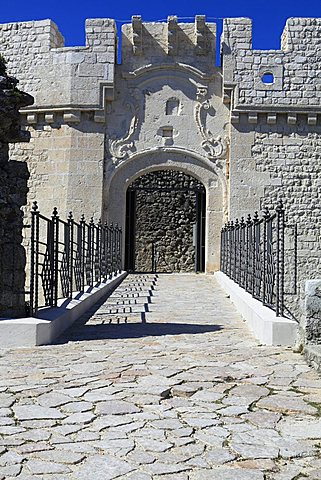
(249, 130)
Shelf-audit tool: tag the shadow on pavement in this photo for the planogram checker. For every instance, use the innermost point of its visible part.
(132, 330)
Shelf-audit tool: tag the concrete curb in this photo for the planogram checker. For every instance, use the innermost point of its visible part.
(262, 321)
(51, 322)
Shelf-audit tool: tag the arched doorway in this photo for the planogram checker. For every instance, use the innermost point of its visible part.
(165, 223)
(118, 179)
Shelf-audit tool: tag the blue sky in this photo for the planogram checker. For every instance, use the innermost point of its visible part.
(268, 16)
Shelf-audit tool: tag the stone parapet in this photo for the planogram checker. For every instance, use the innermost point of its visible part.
(275, 80)
(62, 78)
(169, 42)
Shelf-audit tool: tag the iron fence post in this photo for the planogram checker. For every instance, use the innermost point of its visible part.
(226, 248)
(249, 274)
(34, 266)
(241, 250)
(120, 248)
(91, 250)
(222, 266)
(231, 249)
(96, 253)
(82, 241)
(280, 260)
(54, 255)
(266, 217)
(117, 234)
(227, 239)
(236, 249)
(70, 249)
(111, 242)
(105, 240)
(108, 246)
(255, 239)
(100, 248)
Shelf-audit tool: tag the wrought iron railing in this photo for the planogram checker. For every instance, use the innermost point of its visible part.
(253, 253)
(67, 256)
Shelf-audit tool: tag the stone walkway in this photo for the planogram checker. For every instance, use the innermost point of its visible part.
(163, 382)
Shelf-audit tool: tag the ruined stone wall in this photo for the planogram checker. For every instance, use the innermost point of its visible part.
(13, 195)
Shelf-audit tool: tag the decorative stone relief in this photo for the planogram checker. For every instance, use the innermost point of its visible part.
(120, 149)
(214, 146)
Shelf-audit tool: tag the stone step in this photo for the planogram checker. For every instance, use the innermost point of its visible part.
(122, 310)
(132, 318)
(134, 289)
(128, 301)
(128, 295)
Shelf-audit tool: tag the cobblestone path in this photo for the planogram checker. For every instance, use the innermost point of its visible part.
(163, 382)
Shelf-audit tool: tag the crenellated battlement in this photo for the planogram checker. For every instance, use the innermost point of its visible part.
(63, 80)
(160, 42)
(74, 79)
(272, 80)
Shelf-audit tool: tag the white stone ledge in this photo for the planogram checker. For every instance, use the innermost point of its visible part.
(262, 321)
(51, 322)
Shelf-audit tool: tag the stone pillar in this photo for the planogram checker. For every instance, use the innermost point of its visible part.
(13, 195)
(312, 309)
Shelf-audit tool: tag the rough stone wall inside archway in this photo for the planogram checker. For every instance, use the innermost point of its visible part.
(165, 219)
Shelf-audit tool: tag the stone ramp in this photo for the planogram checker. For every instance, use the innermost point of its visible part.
(186, 394)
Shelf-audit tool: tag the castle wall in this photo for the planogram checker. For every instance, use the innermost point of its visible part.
(296, 67)
(249, 131)
(71, 86)
(276, 133)
(168, 111)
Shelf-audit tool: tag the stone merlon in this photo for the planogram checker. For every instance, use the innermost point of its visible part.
(274, 80)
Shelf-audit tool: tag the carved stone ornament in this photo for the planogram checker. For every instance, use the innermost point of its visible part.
(214, 146)
(121, 149)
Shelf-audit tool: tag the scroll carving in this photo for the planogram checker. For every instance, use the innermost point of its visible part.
(214, 146)
(122, 148)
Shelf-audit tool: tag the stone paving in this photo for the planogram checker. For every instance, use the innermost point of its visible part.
(164, 381)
